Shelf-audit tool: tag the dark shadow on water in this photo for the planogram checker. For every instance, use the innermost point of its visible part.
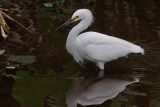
(6, 98)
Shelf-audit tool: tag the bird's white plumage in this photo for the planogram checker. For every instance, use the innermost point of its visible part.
(101, 47)
(94, 46)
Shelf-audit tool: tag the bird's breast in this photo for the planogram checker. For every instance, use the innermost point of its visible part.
(74, 50)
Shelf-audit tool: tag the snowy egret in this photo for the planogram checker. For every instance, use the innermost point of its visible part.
(94, 46)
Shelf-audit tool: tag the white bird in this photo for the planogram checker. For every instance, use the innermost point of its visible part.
(94, 46)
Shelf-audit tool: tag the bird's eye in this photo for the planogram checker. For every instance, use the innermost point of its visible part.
(76, 17)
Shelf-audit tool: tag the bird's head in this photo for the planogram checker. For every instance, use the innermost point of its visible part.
(81, 14)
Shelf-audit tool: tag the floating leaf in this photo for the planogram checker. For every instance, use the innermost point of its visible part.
(48, 4)
(28, 59)
(10, 67)
(8, 75)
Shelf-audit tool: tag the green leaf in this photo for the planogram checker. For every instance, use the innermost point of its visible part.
(10, 67)
(28, 59)
(48, 4)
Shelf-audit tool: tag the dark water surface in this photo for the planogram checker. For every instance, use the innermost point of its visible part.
(55, 80)
(118, 89)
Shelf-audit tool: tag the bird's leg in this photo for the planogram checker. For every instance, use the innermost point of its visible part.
(100, 64)
(101, 74)
(80, 63)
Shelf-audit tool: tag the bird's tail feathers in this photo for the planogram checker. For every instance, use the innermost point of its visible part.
(138, 49)
(142, 51)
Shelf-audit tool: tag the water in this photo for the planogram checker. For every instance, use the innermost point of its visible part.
(116, 89)
(55, 78)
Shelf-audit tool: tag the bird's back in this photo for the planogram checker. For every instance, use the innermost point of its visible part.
(99, 46)
(88, 38)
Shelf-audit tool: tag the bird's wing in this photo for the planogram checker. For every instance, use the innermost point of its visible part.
(106, 52)
(105, 48)
(88, 38)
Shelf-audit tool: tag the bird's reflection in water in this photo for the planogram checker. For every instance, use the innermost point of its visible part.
(95, 90)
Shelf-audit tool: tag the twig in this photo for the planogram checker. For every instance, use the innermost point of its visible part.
(7, 16)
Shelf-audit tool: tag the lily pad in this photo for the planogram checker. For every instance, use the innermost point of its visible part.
(48, 4)
(28, 59)
(10, 67)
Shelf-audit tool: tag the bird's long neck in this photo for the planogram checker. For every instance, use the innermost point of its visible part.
(71, 40)
(77, 30)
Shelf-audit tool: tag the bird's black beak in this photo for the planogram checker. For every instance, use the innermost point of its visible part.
(65, 24)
